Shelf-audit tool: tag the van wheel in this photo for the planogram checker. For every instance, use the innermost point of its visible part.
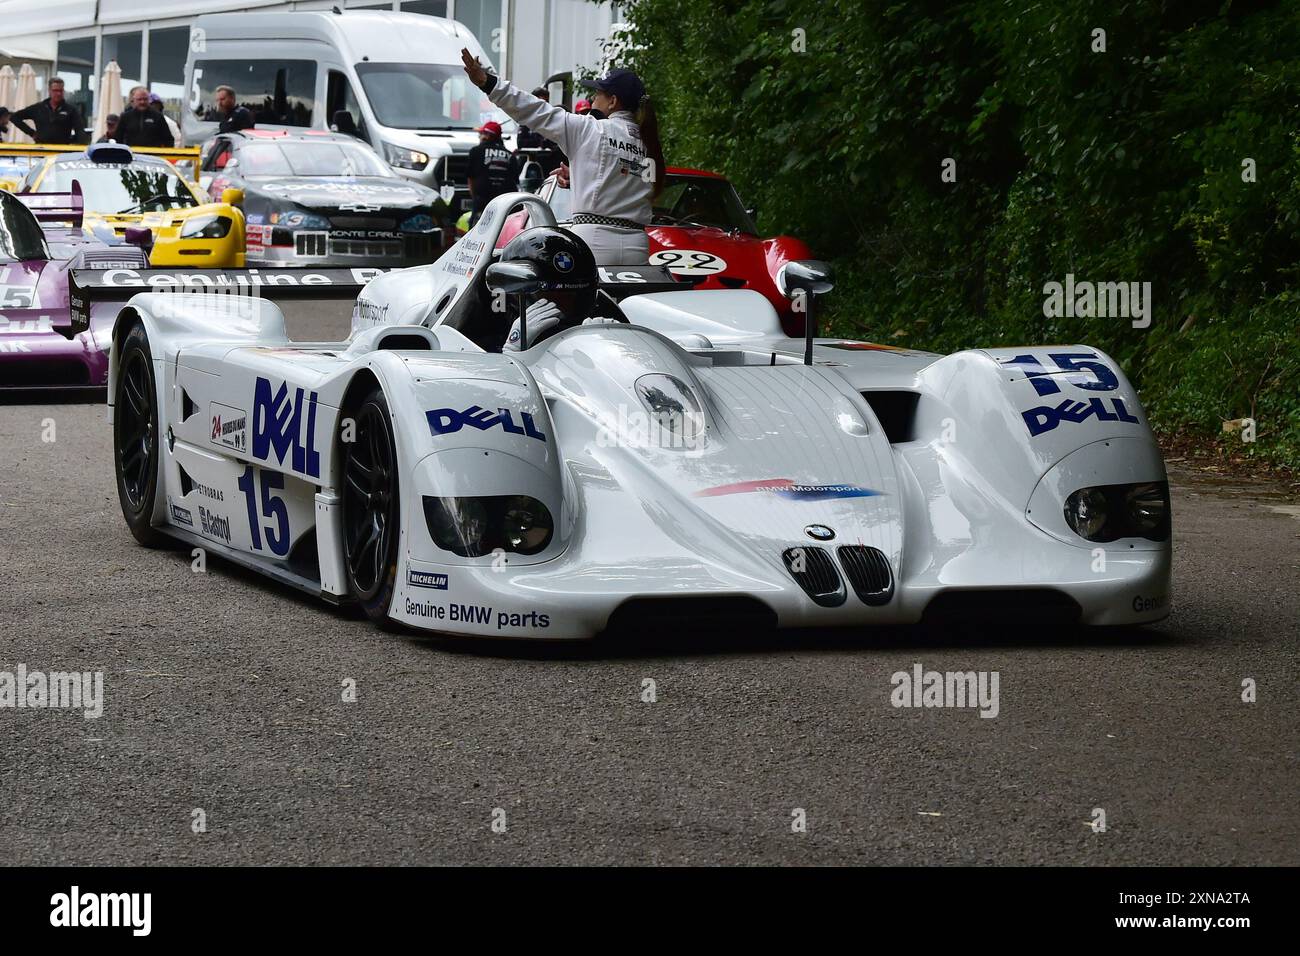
(135, 437)
(371, 508)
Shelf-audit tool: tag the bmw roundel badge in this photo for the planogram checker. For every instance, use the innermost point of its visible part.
(562, 261)
(819, 531)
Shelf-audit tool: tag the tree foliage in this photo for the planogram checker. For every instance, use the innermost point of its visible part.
(1128, 164)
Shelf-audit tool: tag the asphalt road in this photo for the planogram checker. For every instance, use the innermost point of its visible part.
(223, 693)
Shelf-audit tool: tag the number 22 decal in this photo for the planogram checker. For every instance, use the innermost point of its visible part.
(688, 262)
(272, 506)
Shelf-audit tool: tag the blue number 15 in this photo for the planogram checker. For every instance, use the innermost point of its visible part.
(1043, 382)
(273, 506)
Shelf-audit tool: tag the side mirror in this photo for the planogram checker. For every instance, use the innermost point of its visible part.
(344, 123)
(801, 280)
(808, 276)
(141, 236)
(514, 278)
(232, 196)
(531, 178)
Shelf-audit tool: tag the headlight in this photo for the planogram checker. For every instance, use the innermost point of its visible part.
(206, 227)
(1111, 512)
(405, 158)
(297, 219)
(1148, 509)
(420, 222)
(1086, 514)
(526, 524)
(473, 527)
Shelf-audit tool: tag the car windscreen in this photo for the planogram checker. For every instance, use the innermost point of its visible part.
(426, 96)
(110, 188)
(310, 159)
(701, 201)
(20, 234)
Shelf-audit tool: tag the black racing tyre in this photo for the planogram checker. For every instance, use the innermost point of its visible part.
(136, 437)
(371, 507)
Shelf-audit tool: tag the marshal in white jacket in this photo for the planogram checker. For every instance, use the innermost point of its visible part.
(609, 172)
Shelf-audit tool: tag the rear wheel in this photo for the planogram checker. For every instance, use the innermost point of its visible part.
(371, 507)
(135, 437)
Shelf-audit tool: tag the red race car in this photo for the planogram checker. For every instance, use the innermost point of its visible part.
(702, 231)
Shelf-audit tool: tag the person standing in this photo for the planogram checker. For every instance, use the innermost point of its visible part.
(142, 126)
(229, 114)
(57, 122)
(110, 129)
(156, 104)
(491, 169)
(616, 163)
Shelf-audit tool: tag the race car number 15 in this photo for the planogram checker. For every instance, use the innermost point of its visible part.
(688, 262)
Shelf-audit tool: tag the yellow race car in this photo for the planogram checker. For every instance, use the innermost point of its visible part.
(125, 188)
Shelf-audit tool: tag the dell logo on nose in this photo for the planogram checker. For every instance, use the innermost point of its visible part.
(819, 532)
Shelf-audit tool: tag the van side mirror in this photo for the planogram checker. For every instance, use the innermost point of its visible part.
(345, 124)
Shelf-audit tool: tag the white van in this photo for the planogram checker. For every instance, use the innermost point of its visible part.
(395, 78)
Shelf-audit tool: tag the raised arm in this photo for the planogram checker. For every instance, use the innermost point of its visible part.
(553, 122)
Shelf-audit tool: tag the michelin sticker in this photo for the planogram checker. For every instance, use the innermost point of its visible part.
(426, 579)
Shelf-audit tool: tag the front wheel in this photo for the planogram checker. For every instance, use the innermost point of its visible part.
(135, 437)
(371, 507)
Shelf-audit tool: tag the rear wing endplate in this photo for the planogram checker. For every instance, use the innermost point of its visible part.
(87, 287)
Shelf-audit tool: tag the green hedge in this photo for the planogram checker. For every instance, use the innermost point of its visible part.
(1123, 165)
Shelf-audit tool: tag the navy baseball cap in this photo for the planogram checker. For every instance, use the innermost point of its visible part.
(624, 84)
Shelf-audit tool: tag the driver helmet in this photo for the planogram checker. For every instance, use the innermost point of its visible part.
(565, 264)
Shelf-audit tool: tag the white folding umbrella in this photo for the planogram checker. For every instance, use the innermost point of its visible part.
(25, 96)
(8, 88)
(109, 99)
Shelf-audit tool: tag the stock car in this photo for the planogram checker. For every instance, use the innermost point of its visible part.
(313, 198)
(131, 189)
(700, 230)
(686, 461)
(41, 241)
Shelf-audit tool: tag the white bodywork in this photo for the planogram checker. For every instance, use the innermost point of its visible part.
(963, 499)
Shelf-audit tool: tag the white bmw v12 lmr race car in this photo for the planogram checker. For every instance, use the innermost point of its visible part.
(687, 463)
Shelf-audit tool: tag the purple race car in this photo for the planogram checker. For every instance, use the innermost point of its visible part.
(41, 242)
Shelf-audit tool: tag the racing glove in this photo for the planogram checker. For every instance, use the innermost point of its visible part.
(543, 316)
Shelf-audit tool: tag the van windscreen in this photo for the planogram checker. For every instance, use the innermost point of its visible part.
(425, 96)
